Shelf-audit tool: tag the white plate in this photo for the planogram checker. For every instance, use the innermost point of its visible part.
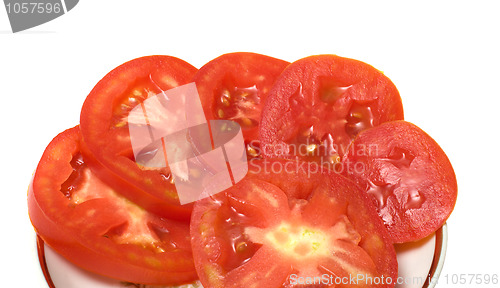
(418, 262)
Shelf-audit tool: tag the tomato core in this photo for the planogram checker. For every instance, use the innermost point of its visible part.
(303, 243)
(294, 241)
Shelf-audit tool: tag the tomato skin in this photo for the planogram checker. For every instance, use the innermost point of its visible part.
(325, 100)
(272, 268)
(106, 136)
(79, 232)
(222, 82)
(408, 176)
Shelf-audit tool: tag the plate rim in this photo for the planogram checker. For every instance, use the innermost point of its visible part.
(439, 257)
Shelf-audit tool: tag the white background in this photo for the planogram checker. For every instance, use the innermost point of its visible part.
(443, 57)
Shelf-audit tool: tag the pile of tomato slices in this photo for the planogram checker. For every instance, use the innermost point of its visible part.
(335, 178)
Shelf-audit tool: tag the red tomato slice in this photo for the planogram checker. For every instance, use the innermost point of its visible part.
(105, 131)
(94, 227)
(407, 175)
(320, 103)
(278, 228)
(234, 87)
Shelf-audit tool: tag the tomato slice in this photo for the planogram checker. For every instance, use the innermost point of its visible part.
(96, 228)
(234, 87)
(407, 175)
(320, 103)
(105, 131)
(282, 226)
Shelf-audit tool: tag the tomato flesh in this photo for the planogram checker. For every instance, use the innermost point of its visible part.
(270, 228)
(320, 103)
(234, 87)
(407, 175)
(96, 228)
(106, 137)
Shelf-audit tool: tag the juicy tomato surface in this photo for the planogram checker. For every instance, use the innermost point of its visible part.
(104, 127)
(279, 228)
(234, 87)
(320, 103)
(96, 228)
(407, 175)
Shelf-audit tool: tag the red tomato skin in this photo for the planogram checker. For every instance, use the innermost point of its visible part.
(375, 239)
(242, 69)
(437, 177)
(105, 148)
(363, 84)
(57, 224)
